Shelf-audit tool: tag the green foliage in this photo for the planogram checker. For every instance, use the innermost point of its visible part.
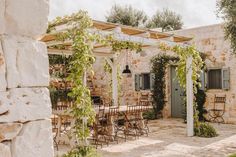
(200, 101)
(69, 19)
(205, 130)
(184, 53)
(150, 115)
(227, 10)
(197, 64)
(59, 66)
(108, 69)
(233, 155)
(117, 45)
(167, 20)
(81, 61)
(126, 15)
(159, 64)
(82, 152)
(59, 95)
(59, 59)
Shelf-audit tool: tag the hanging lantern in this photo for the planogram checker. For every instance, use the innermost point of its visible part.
(126, 70)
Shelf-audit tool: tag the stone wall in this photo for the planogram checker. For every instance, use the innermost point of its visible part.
(208, 39)
(25, 107)
(139, 63)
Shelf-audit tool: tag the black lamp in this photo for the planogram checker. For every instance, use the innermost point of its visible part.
(126, 70)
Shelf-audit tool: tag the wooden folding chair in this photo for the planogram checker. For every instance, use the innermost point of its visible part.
(55, 130)
(217, 112)
(99, 128)
(131, 125)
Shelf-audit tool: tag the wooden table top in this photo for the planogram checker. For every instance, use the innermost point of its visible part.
(122, 108)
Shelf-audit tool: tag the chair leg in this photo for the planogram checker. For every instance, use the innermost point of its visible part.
(55, 142)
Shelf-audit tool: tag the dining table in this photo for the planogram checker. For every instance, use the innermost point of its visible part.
(65, 113)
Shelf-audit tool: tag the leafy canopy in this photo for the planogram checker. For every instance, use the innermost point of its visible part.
(126, 15)
(166, 19)
(227, 10)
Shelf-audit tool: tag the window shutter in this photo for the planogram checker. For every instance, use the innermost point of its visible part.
(152, 80)
(137, 82)
(225, 78)
(202, 80)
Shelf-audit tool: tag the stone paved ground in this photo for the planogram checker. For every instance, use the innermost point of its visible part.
(168, 138)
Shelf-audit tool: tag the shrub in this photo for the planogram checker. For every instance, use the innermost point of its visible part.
(150, 115)
(205, 130)
(200, 100)
(233, 155)
(85, 151)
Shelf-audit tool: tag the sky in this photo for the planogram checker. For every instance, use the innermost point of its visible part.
(194, 12)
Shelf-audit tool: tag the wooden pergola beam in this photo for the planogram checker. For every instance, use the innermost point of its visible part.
(69, 52)
(131, 31)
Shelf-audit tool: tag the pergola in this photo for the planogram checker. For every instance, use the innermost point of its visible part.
(147, 37)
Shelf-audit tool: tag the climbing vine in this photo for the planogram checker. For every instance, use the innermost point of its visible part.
(81, 62)
(117, 47)
(159, 64)
(184, 52)
(108, 69)
(59, 86)
(197, 63)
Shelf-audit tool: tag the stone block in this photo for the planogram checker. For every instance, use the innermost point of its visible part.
(5, 150)
(8, 131)
(25, 104)
(35, 140)
(3, 83)
(2, 13)
(26, 17)
(26, 62)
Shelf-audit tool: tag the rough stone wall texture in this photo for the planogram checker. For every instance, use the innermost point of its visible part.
(208, 39)
(25, 107)
(138, 63)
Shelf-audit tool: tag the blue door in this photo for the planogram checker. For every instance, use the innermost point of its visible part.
(177, 96)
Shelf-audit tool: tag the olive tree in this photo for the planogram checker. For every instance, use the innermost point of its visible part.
(166, 19)
(227, 10)
(126, 15)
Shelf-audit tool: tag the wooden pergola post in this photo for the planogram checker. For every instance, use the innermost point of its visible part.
(113, 65)
(189, 91)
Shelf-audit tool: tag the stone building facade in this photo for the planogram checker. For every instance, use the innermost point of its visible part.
(208, 39)
(25, 107)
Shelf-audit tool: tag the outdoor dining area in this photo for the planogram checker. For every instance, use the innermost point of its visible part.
(113, 124)
(105, 105)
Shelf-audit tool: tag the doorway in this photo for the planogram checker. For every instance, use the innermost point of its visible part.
(177, 96)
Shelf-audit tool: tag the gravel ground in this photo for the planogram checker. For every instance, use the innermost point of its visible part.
(167, 138)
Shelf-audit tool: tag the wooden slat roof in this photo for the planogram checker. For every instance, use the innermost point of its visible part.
(100, 25)
(149, 36)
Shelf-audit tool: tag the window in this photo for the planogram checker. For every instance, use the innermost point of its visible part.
(218, 78)
(144, 81)
(214, 79)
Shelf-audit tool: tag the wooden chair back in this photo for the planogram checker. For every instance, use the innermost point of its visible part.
(113, 111)
(219, 102)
